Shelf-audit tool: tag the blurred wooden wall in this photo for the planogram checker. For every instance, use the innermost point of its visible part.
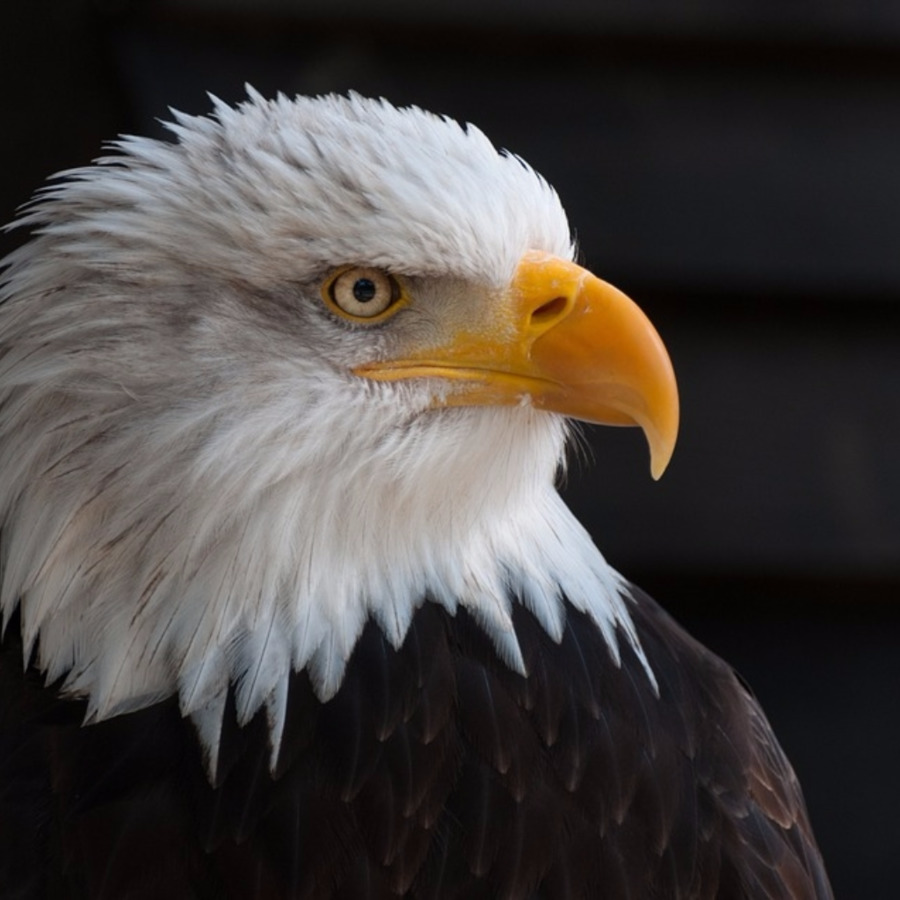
(734, 167)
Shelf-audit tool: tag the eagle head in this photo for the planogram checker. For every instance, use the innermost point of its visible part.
(309, 363)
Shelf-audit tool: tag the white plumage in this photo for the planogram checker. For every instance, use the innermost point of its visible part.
(187, 460)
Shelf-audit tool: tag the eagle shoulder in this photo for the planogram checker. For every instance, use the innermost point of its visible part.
(435, 771)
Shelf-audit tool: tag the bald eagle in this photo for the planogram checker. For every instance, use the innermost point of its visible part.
(291, 605)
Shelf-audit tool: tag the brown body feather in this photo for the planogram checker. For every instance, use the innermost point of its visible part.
(435, 772)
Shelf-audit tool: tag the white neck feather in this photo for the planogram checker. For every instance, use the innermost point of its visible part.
(266, 552)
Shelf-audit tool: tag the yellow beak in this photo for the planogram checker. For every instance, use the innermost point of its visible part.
(563, 341)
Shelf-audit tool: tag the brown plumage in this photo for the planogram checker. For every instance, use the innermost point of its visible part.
(435, 772)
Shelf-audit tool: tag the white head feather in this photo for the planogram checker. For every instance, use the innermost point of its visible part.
(196, 491)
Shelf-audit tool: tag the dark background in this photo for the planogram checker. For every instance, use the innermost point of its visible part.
(735, 167)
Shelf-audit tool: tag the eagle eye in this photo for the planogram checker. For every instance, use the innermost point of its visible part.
(362, 293)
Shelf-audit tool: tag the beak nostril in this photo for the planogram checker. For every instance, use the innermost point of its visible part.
(547, 312)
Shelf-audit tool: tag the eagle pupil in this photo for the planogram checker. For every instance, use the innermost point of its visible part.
(364, 290)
